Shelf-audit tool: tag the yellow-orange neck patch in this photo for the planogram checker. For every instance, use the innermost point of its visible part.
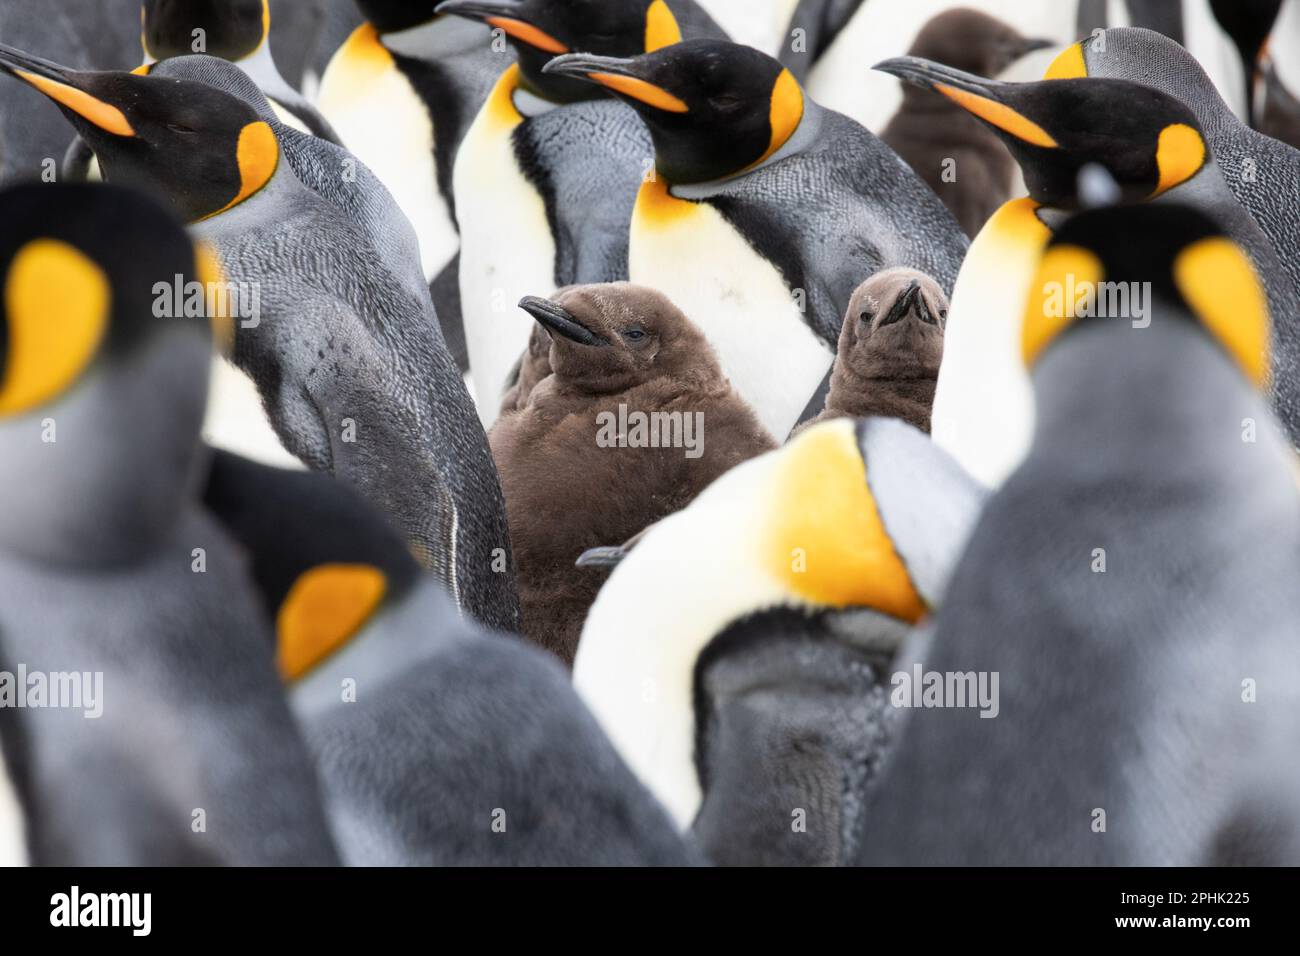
(258, 156)
(826, 541)
(656, 206)
(1219, 283)
(1051, 307)
(661, 27)
(999, 115)
(57, 303)
(212, 275)
(785, 114)
(1180, 153)
(325, 608)
(1068, 65)
(500, 105)
(104, 115)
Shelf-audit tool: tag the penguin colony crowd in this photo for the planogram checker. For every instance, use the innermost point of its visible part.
(649, 432)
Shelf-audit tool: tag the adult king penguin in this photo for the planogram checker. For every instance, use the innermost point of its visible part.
(437, 743)
(765, 212)
(736, 655)
(1262, 173)
(1133, 584)
(547, 174)
(1153, 148)
(179, 747)
(402, 92)
(343, 343)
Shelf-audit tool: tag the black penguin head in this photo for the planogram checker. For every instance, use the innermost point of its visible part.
(1194, 270)
(713, 108)
(103, 370)
(611, 337)
(542, 29)
(230, 29)
(200, 148)
(894, 324)
(392, 16)
(973, 41)
(1149, 141)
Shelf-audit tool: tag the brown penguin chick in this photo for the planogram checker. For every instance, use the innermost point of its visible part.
(928, 131)
(534, 365)
(1281, 113)
(887, 359)
(634, 421)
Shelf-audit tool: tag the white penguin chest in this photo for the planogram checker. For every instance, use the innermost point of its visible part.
(507, 250)
(386, 125)
(236, 420)
(738, 299)
(983, 402)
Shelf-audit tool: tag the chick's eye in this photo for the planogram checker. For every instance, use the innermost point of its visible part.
(943, 313)
(866, 316)
(634, 335)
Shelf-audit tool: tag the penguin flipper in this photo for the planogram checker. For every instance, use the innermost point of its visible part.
(822, 21)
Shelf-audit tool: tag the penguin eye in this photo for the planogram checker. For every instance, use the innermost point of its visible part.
(179, 128)
(866, 316)
(724, 101)
(943, 314)
(634, 335)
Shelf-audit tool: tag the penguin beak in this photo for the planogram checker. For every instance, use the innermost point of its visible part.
(601, 558)
(65, 87)
(1030, 45)
(985, 99)
(505, 16)
(559, 320)
(901, 305)
(619, 75)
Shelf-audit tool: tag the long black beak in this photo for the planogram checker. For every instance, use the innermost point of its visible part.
(15, 61)
(901, 305)
(559, 320)
(988, 100)
(930, 75)
(582, 65)
(1035, 43)
(478, 9)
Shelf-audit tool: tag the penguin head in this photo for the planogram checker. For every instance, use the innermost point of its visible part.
(611, 337)
(835, 546)
(713, 108)
(231, 29)
(895, 320)
(199, 147)
(1195, 272)
(973, 41)
(392, 16)
(542, 29)
(1149, 142)
(103, 370)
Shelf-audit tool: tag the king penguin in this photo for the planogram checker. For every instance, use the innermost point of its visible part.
(1133, 585)
(1262, 173)
(1153, 148)
(737, 656)
(436, 742)
(402, 92)
(334, 326)
(547, 174)
(765, 212)
(179, 746)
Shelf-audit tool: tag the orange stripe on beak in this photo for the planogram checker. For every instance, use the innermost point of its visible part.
(106, 117)
(647, 93)
(1001, 116)
(527, 33)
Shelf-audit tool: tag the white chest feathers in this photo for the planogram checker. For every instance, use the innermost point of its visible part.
(507, 251)
(384, 123)
(693, 255)
(983, 403)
